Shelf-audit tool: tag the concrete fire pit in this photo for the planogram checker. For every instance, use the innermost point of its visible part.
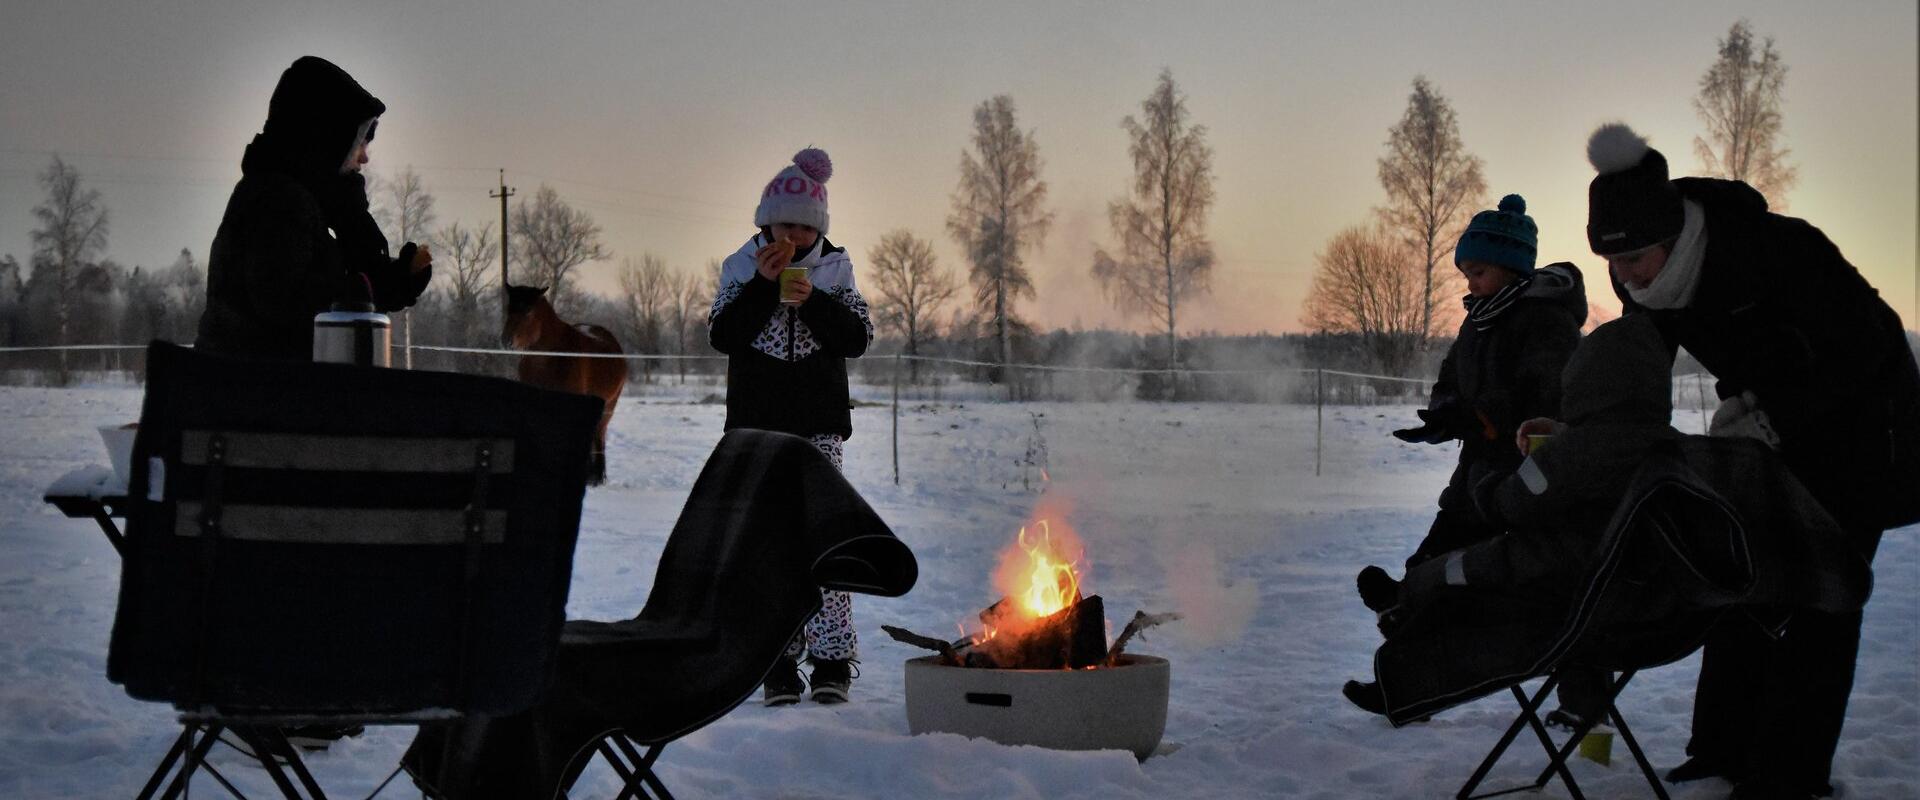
(1122, 707)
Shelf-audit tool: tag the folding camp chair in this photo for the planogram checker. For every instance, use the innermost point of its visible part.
(1558, 754)
(326, 544)
(768, 523)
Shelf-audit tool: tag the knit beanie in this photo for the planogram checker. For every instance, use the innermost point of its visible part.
(1630, 205)
(1505, 237)
(798, 194)
(1621, 372)
(317, 110)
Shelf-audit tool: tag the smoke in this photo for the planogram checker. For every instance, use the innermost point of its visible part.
(1214, 608)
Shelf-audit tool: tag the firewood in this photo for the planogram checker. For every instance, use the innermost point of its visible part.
(1141, 621)
(950, 652)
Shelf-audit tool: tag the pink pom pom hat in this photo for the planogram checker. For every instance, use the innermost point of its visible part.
(798, 195)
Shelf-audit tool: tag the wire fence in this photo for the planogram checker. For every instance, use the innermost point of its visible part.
(894, 379)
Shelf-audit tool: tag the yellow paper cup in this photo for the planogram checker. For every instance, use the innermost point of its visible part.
(1597, 747)
(788, 276)
(1535, 441)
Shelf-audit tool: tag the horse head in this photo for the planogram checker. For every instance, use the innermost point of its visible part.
(523, 323)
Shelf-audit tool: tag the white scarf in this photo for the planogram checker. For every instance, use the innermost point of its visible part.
(1674, 286)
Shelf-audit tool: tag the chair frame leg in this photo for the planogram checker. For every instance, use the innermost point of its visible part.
(189, 755)
(1529, 717)
(638, 780)
(1559, 755)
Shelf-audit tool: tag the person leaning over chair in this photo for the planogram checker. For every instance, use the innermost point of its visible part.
(1809, 359)
(297, 235)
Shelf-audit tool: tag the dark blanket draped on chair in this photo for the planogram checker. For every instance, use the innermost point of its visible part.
(1708, 526)
(768, 523)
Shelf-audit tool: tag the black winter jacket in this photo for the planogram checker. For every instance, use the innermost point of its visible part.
(296, 234)
(1493, 380)
(1780, 312)
(787, 367)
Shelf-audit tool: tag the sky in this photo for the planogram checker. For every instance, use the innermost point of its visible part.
(663, 121)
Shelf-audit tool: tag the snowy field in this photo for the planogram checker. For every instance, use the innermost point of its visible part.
(1213, 510)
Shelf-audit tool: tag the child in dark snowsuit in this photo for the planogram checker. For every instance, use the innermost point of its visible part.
(1504, 367)
(787, 341)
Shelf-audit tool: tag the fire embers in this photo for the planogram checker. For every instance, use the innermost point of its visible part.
(1041, 621)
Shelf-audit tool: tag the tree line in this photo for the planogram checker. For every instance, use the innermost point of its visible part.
(1383, 292)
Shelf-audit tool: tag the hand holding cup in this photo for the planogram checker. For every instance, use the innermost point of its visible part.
(1536, 429)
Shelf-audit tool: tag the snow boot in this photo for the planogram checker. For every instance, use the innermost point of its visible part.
(1378, 590)
(832, 678)
(783, 685)
(1367, 696)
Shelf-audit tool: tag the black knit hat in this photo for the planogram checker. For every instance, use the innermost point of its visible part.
(1630, 205)
(316, 111)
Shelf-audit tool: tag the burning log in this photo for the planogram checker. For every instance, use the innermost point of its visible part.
(1071, 638)
(1141, 621)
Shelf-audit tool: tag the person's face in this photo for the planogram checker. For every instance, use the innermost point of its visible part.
(356, 159)
(802, 236)
(1638, 269)
(1484, 279)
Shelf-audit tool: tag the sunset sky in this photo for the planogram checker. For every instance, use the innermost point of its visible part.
(663, 121)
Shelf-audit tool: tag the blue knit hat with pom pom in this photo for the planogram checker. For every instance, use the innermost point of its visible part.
(798, 194)
(1505, 237)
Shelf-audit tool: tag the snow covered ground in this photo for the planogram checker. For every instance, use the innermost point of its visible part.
(1213, 510)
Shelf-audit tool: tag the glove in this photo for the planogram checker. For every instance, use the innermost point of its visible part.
(1741, 415)
(1432, 430)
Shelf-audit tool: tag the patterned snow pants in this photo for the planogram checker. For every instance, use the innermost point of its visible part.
(829, 635)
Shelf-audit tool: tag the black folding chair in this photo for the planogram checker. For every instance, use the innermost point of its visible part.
(1557, 755)
(324, 544)
(768, 523)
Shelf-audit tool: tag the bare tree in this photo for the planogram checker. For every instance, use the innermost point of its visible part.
(644, 293)
(1164, 256)
(73, 229)
(998, 213)
(184, 289)
(912, 289)
(467, 256)
(686, 307)
(1369, 282)
(1433, 185)
(1739, 101)
(404, 209)
(551, 238)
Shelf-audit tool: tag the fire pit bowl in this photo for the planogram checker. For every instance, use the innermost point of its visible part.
(1122, 707)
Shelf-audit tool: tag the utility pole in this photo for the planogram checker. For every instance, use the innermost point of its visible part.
(504, 193)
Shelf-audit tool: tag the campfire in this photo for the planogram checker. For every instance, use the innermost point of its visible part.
(1039, 670)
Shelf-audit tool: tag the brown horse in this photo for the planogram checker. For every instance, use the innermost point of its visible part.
(533, 325)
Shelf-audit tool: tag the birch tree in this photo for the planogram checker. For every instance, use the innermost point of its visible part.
(1433, 186)
(1739, 101)
(1164, 256)
(998, 214)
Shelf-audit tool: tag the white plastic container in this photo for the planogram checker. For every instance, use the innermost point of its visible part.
(1123, 707)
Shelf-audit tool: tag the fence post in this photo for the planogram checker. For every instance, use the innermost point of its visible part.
(1700, 396)
(896, 419)
(1319, 414)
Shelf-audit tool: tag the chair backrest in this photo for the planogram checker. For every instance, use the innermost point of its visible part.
(318, 540)
(769, 522)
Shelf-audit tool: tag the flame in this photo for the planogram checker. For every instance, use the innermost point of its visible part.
(1041, 572)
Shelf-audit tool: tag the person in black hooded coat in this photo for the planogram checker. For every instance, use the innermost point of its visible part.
(1812, 361)
(297, 235)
